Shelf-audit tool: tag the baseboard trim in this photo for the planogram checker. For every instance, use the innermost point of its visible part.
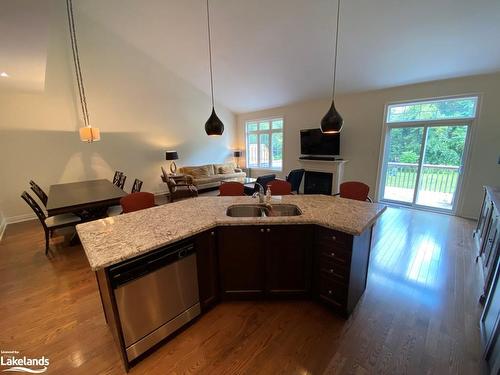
(3, 225)
(20, 218)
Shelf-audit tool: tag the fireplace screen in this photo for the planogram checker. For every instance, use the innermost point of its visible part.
(318, 183)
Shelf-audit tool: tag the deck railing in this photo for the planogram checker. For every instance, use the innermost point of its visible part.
(434, 178)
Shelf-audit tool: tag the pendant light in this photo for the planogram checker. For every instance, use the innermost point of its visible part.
(87, 133)
(332, 122)
(214, 125)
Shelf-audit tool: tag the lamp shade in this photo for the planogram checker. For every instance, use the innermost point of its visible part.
(332, 122)
(237, 153)
(214, 125)
(171, 155)
(88, 134)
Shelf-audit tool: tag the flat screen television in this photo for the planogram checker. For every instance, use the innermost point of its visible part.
(315, 142)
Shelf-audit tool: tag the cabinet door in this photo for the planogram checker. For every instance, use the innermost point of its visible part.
(288, 259)
(241, 261)
(483, 233)
(491, 249)
(206, 257)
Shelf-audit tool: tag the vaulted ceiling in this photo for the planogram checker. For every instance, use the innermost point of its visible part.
(23, 44)
(269, 53)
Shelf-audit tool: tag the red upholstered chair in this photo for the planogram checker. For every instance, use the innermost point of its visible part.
(280, 187)
(137, 201)
(355, 190)
(231, 188)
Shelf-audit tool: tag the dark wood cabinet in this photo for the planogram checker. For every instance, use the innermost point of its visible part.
(241, 261)
(490, 324)
(265, 260)
(288, 253)
(207, 265)
(487, 236)
(340, 267)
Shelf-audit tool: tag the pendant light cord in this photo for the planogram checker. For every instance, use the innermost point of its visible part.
(336, 47)
(76, 60)
(210, 54)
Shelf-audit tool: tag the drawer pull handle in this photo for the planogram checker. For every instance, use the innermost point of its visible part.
(268, 230)
(212, 233)
(330, 292)
(332, 255)
(334, 238)
(330, 270)
(262, 230)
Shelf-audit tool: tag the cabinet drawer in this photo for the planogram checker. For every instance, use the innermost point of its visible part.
(334, 272)
(335, 255)
(332, 238)
(332, 292)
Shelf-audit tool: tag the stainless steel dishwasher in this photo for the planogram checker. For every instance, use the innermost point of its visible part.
(156, 294)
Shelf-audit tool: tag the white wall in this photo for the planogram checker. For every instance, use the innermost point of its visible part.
(363, 116)
(141, 108)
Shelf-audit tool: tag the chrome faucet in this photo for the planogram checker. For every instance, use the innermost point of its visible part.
(261, 193)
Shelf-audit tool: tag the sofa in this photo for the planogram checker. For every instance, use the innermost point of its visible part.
(211, 175)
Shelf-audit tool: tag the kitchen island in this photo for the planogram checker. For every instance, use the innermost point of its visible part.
(320, 253)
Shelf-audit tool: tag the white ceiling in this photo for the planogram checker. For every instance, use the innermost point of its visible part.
(269, 53)
(23, 43)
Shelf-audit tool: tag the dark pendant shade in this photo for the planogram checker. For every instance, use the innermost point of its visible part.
(214, 125)
(332, 122)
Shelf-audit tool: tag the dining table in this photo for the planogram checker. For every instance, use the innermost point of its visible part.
(88, 199)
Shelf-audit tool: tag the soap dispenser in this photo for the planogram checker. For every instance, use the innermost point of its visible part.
(268, 195)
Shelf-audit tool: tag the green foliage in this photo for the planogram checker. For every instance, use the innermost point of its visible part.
(435, 110)
(445, 145)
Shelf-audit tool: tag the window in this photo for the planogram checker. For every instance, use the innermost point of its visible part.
(264, 141)
(424, 151)
(440, 109)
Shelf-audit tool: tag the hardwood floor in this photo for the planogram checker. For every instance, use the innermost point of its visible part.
(419, 314)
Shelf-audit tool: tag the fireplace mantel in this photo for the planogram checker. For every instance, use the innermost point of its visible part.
(336, 167)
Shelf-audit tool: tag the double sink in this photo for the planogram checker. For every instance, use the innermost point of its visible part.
(261, 210)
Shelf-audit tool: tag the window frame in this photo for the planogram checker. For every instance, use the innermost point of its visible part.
(472, 123)
(430, 100)
(270, 132)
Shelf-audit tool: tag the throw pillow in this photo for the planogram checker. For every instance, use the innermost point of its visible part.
(226, 169)
(198, 172)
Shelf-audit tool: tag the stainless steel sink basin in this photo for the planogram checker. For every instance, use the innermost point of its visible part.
(257, 210)
(284, 210)
(245, 210)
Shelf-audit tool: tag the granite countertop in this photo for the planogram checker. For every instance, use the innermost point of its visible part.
(114, 239)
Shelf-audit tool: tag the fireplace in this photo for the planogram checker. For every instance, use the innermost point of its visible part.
(318, 183)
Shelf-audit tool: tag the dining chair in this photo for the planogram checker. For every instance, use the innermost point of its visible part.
(121, 181)
(117, 177)
(295, 178)
(180, 189)
(137, 201)
(136, 187)
(231, 188)
(39, 192)
(51, 223)
(280, 187)
(262, 180)
(354, 190)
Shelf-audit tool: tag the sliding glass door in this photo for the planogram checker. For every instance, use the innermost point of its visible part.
(424, 152)
(423, 164)
(442, 166)
(402, 163)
